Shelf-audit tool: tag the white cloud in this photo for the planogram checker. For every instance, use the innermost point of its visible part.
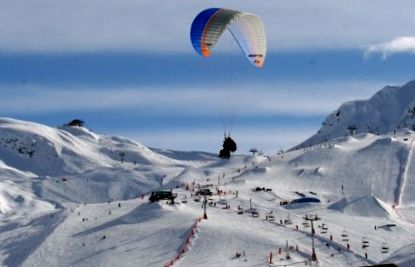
(163, 26)
(290, 98)
(404, 44)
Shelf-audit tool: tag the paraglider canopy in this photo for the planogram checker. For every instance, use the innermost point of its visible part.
(246, 28)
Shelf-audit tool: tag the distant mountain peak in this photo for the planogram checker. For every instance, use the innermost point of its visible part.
(45, 150)
(389, 110)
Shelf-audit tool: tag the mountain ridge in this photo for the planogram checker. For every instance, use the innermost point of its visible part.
(389, 110)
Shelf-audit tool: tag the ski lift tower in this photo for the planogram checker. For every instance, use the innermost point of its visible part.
(312, 218)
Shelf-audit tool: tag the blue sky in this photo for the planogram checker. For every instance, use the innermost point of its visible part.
(128, 68)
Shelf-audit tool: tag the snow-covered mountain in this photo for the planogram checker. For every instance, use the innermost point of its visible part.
(44, 150)
(75, 164)
(390, 109)
(71, 197)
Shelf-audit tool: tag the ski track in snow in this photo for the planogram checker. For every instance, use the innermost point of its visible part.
(404, 175)
(402, 181)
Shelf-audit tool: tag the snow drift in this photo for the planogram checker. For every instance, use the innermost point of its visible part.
(367, 206)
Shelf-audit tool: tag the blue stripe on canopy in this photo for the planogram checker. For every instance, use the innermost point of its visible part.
(198, 27)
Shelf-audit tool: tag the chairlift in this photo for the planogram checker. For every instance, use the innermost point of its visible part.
(306, 223)
(324, 228)
(385, 248)
(270, 216)
(288, 220)
(344, 236)
(365, 242)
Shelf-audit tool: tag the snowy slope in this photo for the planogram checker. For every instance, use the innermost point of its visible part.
(364, 165)
(362, 206)
(77, 165)
(47, 151)
(186, 155)
(404, 257)
(392, 108)
(15, 201)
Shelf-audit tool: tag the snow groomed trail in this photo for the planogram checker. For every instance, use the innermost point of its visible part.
(402, 185)
(402, 181)
(228, 234)
(28, 235)
(127, 233)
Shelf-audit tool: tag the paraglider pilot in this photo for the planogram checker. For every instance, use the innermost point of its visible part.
(228, 146)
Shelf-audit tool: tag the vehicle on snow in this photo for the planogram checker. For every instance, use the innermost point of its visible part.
(204, 192)
(162, 195)
(257, 189)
